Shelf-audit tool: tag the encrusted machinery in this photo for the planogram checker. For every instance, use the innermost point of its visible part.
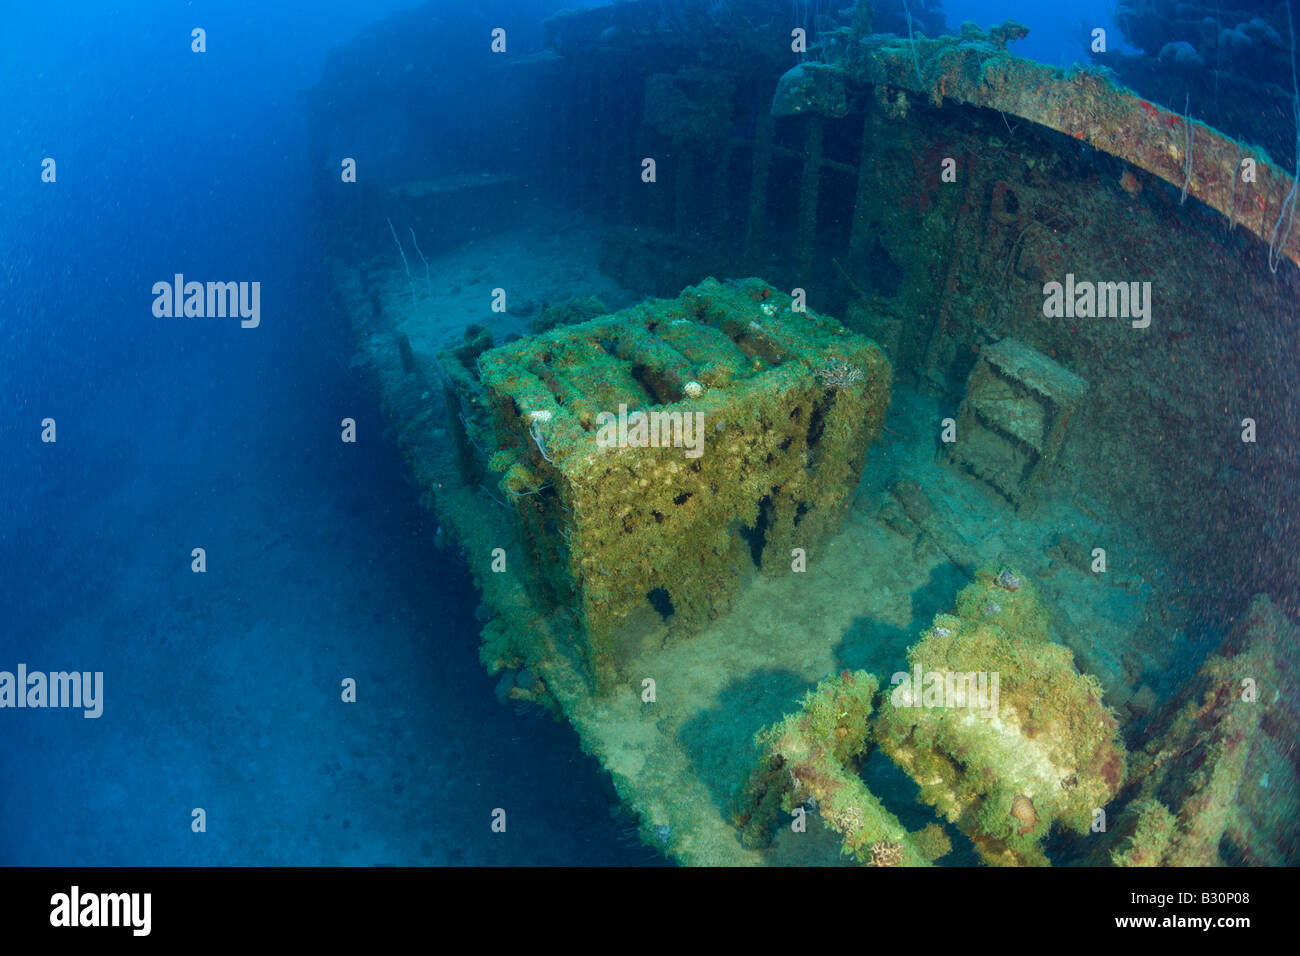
(1216, 779)
(1004, 759)
(655, 455)
(1003, 736)
(1013, 421)
(813, 757)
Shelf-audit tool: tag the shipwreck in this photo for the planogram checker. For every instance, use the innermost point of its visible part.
(905, 461)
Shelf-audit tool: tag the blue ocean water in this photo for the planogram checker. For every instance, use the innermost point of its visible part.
(221, 690)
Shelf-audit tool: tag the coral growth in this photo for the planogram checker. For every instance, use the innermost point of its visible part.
(886, 853)
(1037, 748)
(632, 446)
(839, 374)
(1215, 781)
(812, 757)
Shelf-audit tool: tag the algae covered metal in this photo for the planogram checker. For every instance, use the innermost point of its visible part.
(1014, 417)
(1003, 735)
(814, 757)
(636, 448)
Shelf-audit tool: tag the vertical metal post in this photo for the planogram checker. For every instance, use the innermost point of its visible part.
(809, 188)
(721, 186)
(756, 220)
(859, 235)
(683, 186)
